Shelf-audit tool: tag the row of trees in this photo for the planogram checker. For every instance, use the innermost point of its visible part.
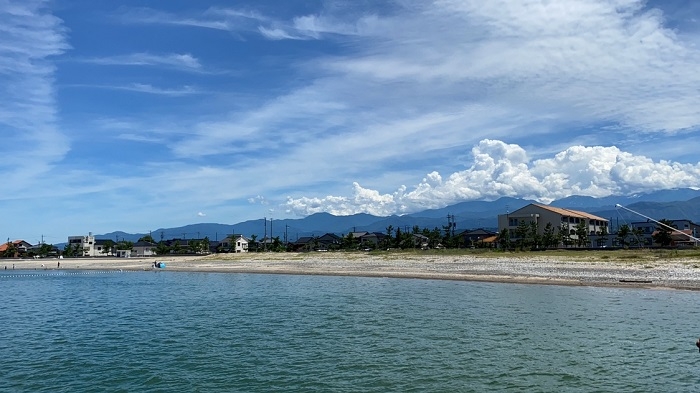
(527, 236)
(43, 251)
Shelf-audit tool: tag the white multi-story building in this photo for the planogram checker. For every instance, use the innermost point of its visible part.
(560, 219)
(86, 245)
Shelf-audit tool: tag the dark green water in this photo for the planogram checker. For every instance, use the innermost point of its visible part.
(200, 332)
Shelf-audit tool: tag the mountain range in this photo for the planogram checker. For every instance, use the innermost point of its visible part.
(668, 204)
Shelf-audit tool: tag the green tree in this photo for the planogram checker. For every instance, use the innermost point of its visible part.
(622, 233)
(124, 245)
(663, 233)
(147, 238)
(162, 248)
(435, 235)
(277, 244)
(70, 251)
(389, 239)
(349, 242)
(108, 246)
(565, 235)
(10, 251)
(534, 237)
(521, 233)
(397, 239)
(253, 242)
(548, 236)
(581, 233)
(504, 239)
(194, 246)
(45, 249)
(407, 241)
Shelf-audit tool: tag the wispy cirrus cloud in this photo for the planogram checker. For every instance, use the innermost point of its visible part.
(30, 36)
(305, 27)
(146, 88)
(211, 18)
(139, 138)
(184, 61)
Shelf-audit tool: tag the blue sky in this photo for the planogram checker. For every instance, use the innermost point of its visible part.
(120, 116)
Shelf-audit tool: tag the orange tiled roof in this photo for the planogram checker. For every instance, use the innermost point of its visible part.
(4, 246)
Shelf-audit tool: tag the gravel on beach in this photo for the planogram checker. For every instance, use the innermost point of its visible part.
(679, 274)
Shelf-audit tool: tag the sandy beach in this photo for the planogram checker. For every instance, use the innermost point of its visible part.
(494, 267)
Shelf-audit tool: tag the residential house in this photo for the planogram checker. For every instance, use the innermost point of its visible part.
(562, 220)
(475, 238)
(371, 239)
(305, 243)
(235, 243)
(188, 246)
(328, 241)
(421, 241)
(104, 247)
(143, 249)
(20, 246)
(683, 236)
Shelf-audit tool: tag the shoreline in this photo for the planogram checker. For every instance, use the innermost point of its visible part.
(681, 274)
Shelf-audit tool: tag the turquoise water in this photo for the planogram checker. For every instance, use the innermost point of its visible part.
(202, 332)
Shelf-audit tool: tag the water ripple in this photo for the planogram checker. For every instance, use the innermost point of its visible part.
(188, 332)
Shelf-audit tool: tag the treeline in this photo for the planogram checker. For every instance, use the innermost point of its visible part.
(527, 236)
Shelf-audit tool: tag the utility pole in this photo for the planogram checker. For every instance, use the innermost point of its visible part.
(265, 238)
(451, 224)
(286, 240)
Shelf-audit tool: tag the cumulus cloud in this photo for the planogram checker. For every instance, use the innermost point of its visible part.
(499, 170)
(200, 214)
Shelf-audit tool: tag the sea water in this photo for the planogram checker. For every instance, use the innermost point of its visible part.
(68, 331)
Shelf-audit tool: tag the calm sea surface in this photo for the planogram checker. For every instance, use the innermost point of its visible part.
(201, 332)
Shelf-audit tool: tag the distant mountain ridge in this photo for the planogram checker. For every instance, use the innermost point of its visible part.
(670, 204)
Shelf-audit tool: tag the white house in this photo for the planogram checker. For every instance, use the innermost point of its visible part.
(143, 249)
(235, 243)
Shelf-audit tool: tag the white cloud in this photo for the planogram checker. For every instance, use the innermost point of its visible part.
(200, 214)
(258, 200)
(499, 170)
(150, 89)
(182, 61)
(29, 37)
